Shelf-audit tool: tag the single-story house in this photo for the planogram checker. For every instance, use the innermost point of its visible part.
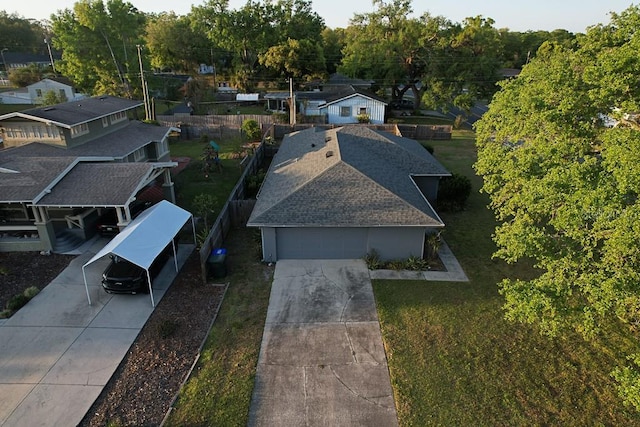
(347, 192)
(60, 85)
(345, 106)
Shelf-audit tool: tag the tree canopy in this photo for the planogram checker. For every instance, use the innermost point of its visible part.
(559, 151)
(438, 61)
(99, 45)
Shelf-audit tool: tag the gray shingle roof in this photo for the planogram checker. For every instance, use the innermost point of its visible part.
(350, 176)
(117, 144)
(22, 179)
(103, 184)
(81, 111)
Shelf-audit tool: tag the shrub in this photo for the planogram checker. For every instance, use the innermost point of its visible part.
(167, 328)
(453, 192)
(251, 129)
(363, 118)
(31, 292)
(429, 148)
(372, 259)
(17, 302)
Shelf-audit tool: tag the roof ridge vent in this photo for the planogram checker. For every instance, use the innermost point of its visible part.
(49, 108)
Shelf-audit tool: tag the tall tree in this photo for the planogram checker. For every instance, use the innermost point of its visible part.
(174, 44)
(333, 41)
(98, 42)
(245, 32)
(19, 34)
(439, 62)
(250, 32)
(564, 184)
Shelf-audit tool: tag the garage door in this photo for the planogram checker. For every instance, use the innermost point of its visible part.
(321, 243)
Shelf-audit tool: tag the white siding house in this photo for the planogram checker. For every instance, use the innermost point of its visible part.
(39, 89)
(346, 109)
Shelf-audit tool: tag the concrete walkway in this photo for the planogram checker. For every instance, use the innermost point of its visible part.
(58, 352)
(322, 362)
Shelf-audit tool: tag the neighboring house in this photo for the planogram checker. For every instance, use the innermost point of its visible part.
(62, 87)
(339, 81)
(64, 164)
(15, 60)
(342, 106)
(349, 106)
(345, 193)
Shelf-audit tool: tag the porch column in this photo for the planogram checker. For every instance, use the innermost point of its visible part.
(124, 217)
(45, 228)
(168, 188)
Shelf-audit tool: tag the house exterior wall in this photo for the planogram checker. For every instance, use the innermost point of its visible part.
(337, 111)
(428, 185)
(38, 90)
(341, 242)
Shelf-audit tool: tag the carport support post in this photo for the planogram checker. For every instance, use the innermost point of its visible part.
(86, 287)
(153, 303)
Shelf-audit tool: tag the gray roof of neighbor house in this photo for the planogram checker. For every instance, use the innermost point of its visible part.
(24, 179)
(73, 113)
(351, 176)
(348, 92)
(117, 144)
(103, 184)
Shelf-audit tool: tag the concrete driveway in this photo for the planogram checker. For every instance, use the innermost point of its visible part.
(58, 352)
(322, 361)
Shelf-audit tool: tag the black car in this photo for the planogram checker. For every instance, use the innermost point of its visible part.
(401, 104)
(108, 222)
(124, 277)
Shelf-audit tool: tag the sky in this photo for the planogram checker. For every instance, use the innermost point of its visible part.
(516, 15)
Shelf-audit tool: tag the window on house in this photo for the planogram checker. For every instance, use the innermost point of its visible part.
(118, 117)
(39, 93)
(105, 122)
(162, 147)
(62, 93)
(345, 111)
(80, 129)
(362, 110)
(138, 154)
(52, 132)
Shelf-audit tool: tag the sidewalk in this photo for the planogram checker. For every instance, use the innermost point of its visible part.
(58, 352)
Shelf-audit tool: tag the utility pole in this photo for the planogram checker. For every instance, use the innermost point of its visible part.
(4, 63)
(145, 94)
(46, 41)
(292, 104)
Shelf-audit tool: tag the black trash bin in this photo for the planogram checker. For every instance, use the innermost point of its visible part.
(217, 263)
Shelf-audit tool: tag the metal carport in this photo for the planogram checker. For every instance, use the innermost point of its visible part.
(145, 237)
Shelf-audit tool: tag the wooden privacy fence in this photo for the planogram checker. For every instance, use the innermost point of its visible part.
(219, 125)
(234, 213)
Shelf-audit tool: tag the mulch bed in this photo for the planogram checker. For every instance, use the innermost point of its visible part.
(21, 270)
(143, 387)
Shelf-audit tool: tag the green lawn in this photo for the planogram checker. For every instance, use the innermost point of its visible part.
(192, 181)
(454, 360)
